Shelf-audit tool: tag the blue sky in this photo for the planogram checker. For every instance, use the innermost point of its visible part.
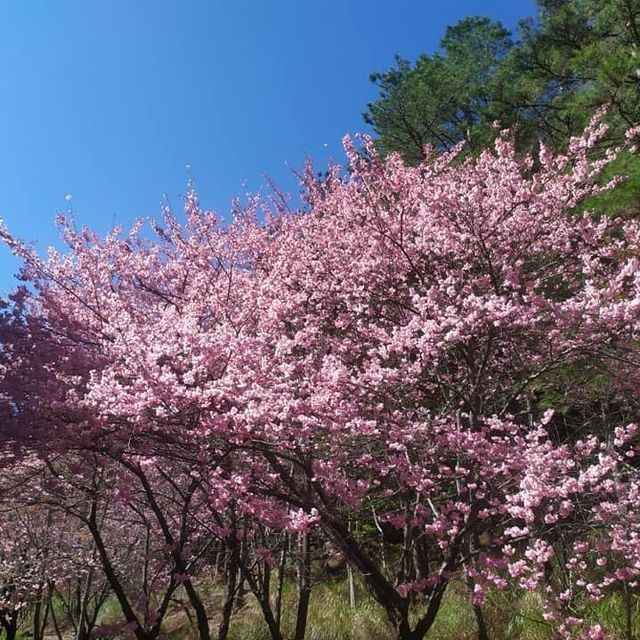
(111, 100)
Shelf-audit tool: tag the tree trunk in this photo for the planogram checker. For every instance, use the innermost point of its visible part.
(37, 610)
(403, 629)
(304, 585)
(176, 547)
(10, 626)
(112, 577)
(396, 606)
(263, 598)
(56, 627)
(281, 568)
(240, 596)
(483, 633)
(82, 632)
(201, 613)
(352, 586)
(45, 615)
(351, 581)
(232, 574)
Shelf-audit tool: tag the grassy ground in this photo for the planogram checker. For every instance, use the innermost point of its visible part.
(509, 616)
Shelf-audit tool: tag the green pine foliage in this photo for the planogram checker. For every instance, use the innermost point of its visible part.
(544, 82)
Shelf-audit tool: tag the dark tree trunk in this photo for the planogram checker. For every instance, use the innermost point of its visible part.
(56, 627)
(382, 590)
(10, 626)
(83, 602)
(232, 575)
(263, 596)
(241, 591)
(481, 625)
(201, 613)
(176, 546)
(304, 585)
(281, 568)
(37, 615)
(483, 632)
(112, 577)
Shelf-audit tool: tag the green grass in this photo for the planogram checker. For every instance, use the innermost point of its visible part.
(509, 616)
(455, 620)
(330, 616)
(612, 614)
(19, 635)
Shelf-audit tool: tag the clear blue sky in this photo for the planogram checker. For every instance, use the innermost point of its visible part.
(110, 100)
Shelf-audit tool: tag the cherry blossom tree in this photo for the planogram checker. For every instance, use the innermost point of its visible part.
(387, 355)
(405, 321)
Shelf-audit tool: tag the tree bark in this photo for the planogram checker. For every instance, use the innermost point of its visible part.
(232, 574)
(116, 585)
(281, 568)
(176, 547)
(10, 626)
(304, 584)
